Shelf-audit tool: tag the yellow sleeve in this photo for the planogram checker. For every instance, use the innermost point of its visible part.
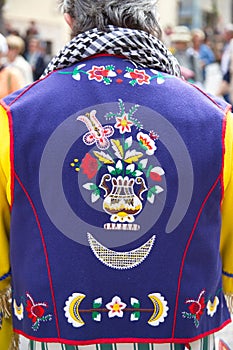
(226, 243)
(5, 198)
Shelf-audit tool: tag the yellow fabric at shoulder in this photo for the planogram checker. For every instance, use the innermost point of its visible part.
(226, 244)
(5, 196)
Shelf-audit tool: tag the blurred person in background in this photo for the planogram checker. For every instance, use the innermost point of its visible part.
(186, 56)
(16, 47)
(225, 63)
(35, 57)
(10, 78)
(118, 238)
(203, 50)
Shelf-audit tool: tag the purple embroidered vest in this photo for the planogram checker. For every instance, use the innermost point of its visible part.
(116, 220)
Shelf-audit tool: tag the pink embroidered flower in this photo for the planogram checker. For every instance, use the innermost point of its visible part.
(116, 306)
(89, 166)
(197, 307)
(123, 124)
(100, 73)
(146, 143)
(139, 76)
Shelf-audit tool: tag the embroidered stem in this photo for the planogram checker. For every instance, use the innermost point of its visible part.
(229, 299)
(5, 305)
(14, 342)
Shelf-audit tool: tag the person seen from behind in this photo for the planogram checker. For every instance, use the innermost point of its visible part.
(112, 235)
(16, 47)
(10, 78)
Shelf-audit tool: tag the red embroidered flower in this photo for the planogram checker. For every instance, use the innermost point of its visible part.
(100, 73)
(197, 307)
(123, 124)
(156, 174)
(139, 75)
(89, 166)
(34, 310)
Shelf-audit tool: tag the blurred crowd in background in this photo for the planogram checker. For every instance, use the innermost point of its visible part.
(23, 57)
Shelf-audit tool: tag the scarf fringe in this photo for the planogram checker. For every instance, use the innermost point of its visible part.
(5, 302)
(229, 300)
(14, 342)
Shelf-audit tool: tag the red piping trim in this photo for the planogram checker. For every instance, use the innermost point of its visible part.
(228, 106)
(28, 88)
(123, 340)
(223, 154)
(186, 251)
(12, 170)
(45, 251)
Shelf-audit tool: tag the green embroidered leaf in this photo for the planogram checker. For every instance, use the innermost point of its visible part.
(128, 143)
(150, 196)
(130, 168)
(137, 173)
(122, 107)
(96, 316)
(97, 303)
(129, 70)
(135, 316)
(90, 186)
(133, 82)
(119, 167)
(142, 164)
(95, 196)
(110, 67)
(118, 149)
(132, 110)
(107, 81)
(104, 157)
(149, 171)
(112, 170)
(158, 189)
(135, 303)
(110, 115)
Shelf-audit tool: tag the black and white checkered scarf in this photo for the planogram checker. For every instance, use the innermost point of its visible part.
(136, 45)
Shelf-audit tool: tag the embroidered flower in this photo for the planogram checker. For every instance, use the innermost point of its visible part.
(212, 306)
(102, 74)
(196, 308)
(137, 76)
(97, 133)
(89, 166)
(146, 143)
(156, 173)
(116, 306)
(123, 124)
(36, 312)
(18, 310)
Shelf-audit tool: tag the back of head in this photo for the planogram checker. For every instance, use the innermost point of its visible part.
(134, 14)
(15, 43)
